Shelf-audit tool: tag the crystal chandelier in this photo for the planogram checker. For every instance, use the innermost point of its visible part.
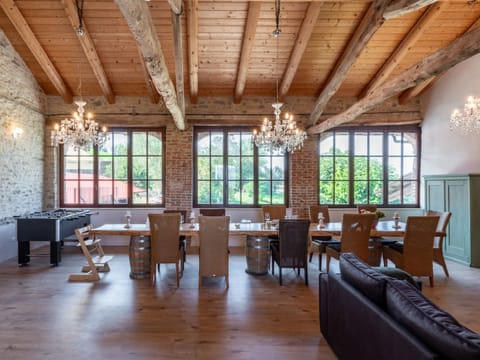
(468, 121)
(78, 131)
(283, 134)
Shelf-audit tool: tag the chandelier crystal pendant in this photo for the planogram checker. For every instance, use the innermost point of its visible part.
(282, 135)
(78, 131)
(468, 121)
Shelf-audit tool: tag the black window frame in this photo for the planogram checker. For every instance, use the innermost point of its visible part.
(225, 130)
(129, 203)
(385, 130)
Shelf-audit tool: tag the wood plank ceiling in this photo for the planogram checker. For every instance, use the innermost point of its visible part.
(326, 50)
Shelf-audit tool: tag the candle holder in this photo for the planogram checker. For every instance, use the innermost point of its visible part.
(396, 219)
(192, 220)
(321, 224)
(128, 218)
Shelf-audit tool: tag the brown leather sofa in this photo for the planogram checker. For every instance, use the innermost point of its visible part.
(365, 314)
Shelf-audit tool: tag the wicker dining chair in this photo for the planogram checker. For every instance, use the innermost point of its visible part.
(415, 254)
(164, 235)
(182, 239)
(354, 238)
(444, 219)
(320, 241)
(290, 251)
(212, 212)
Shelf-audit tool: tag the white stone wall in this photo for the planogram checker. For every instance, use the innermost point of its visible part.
(21, 159)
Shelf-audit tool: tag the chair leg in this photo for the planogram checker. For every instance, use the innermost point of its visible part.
(328, 263)
(431, 280)
(280, 275)
(320, 254)
(176, 274)
(153, 274)
(305, 270)
(273, 267)
(310, 257)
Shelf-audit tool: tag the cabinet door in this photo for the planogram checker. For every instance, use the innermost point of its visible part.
(457, 241)
(435, 195)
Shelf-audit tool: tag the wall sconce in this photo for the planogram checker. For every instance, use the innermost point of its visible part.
(17, 132)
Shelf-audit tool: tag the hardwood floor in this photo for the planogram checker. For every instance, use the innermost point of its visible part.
(46, 317)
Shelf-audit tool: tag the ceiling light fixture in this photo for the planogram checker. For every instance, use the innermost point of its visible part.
(468, 121)
(283, 134)
(79, 132)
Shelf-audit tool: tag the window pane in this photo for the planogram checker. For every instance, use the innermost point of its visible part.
(278, 192)
(139, 192)
(278, 171)
(120, 143)
(264, 194)
(234, 143)
(217, 168)
(154, 168)
(70, 192)
(394, 192)
(341, 143)
(155, 195)
(247, 168)
(410, 144)
(216, 143)
(326, 168)
(86, 168)
(341, 192)
(247, 144)
(341, 168)
(139, 168)
(360, 169)
(120, 165)
(409, 168)
(105, 192)
(154, 143)
(203, 192)
(376, 144)
(264, 168)
(120, 192)
(203, 168)
(86, 192)
(410, 192)
(203, 143)
(217, 192)
(376, 192)
(376, 168)
(326, 192)
(139, 143)
(234, 192)
(233, 168)
(326, 143)
(247, 193)
(361, 144)
(394, 168)
(360, 192)
(395, 143)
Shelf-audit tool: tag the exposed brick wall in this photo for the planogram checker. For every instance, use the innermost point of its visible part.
(303, 177)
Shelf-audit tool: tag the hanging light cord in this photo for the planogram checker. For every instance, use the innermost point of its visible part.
(79, 6)
(276, 34)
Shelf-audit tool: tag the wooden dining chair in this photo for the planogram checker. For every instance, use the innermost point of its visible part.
(213, 250)
(291, 249)
(320, 241)
(164, 235)
(354, 238)
(443, 220)
(415, 254)
(212, 212)
(182, 239)
(368, 208)
(276, 212)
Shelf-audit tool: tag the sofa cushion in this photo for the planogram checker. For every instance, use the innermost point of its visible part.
(433, 326)
(362, 277)
(398, 274)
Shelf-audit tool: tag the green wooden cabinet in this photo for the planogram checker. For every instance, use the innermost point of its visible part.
(459, 194)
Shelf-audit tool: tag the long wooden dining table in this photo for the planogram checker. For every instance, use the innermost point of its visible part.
(383, 228)
(139, 248)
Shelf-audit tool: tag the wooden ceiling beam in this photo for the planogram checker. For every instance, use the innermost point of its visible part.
(414, 91)
(403, 7)
(176, 6)
(138, 18)
(89, 50)
(301, 42)
(192, 43)
(26, 33)
(247, 45)
(402, 49)
(457, 51)
(370, 23)
(151, 89)
(178, 55)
